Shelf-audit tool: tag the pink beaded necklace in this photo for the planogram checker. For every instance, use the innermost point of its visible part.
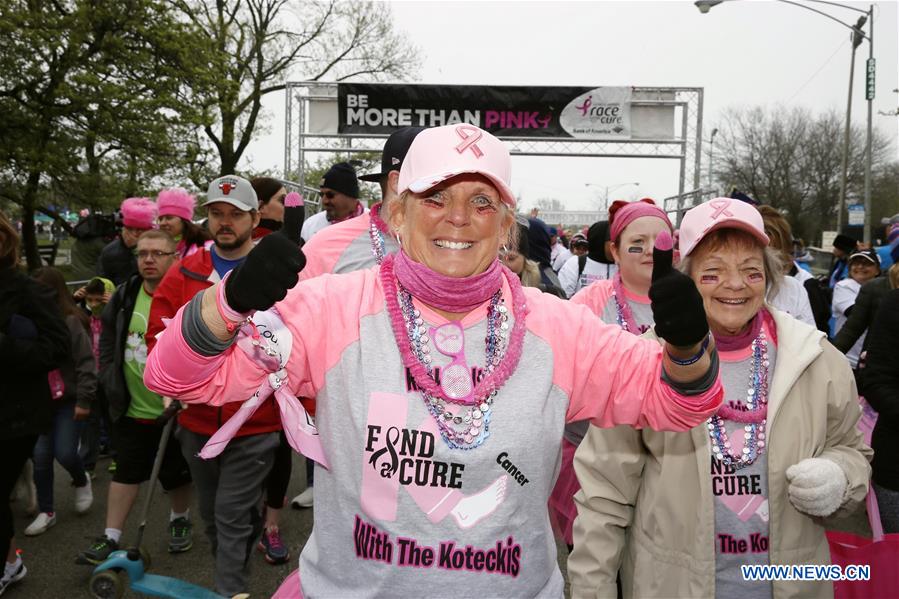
(625, 315)
(496, 374)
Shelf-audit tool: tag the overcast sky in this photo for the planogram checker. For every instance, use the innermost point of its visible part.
(743, 53)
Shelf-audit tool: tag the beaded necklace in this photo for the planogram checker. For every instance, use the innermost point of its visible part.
(377, 228)
(466, 426)
(754, 419)
(624, 314)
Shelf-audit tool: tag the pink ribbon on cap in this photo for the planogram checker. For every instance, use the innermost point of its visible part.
(470, 136)
(720, 207)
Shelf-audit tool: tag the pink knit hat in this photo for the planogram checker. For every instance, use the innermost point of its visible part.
(139, 213)
(622, 213)
(720, 213)
(440, 153)
(176, 201)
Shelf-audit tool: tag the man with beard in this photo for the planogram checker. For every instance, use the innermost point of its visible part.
(229, 487)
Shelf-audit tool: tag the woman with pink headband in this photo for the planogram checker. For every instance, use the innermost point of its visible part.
(679, 514)
(441, 386)
(622, 300)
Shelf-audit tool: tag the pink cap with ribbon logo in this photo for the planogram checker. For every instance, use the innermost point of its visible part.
(719, 213)
(440, 153)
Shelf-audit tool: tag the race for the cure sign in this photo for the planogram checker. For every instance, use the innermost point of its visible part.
(549, 112)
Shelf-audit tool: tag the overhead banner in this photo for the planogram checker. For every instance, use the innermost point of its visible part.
(564, 112)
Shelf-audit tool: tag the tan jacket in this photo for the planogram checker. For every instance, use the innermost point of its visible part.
(646, 499)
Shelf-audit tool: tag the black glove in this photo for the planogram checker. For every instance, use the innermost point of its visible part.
(676, 304)
(265, 276)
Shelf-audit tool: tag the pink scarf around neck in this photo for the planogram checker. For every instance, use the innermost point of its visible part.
(451, 294)
(743, 339)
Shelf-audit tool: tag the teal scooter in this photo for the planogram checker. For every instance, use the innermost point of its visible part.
(126, 568)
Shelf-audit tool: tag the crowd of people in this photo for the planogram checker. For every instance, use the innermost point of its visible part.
(467, 384)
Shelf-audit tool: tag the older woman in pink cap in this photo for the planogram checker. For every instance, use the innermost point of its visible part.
(622, 300)
(441, 386)
(175, 208)
(678, 514)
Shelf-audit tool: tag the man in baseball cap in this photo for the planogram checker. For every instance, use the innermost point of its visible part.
(392, 156)
(232, 520)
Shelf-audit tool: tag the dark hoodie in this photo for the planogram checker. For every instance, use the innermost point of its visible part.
(539, 247)
(539, 250)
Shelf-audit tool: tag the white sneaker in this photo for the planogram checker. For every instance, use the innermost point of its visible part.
(84, 498)
(302, 500)
(10, 577)
(40, 524)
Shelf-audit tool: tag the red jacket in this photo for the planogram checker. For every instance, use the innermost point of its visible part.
(181, 283)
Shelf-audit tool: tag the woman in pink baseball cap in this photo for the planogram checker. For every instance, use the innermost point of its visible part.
(679, 514)
(175, 211)
(441, 386)
(622, 300)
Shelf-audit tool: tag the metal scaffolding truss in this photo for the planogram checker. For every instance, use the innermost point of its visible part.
(685, 146)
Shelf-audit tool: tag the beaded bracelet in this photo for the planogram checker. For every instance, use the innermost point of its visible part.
(233, 319)
(694, 358)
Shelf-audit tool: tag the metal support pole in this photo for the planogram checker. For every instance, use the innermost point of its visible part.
(868, 157)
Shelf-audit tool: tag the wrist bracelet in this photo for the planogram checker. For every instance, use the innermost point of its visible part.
(694, 358)
(233, 319)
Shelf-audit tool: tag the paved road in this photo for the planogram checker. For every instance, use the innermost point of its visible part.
(52, 573)
(50, 558)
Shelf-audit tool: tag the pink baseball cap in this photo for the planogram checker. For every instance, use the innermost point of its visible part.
(720, 213)
(440, 153)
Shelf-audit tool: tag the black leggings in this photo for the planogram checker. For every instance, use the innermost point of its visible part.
(15, 452)
(279, 477)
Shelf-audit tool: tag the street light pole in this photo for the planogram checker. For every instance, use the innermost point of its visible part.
(856, 41)
(705, 5)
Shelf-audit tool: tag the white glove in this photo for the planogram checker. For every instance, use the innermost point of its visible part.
(817, 486)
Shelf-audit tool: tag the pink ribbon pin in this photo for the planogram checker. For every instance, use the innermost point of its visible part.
(720, 207)
(470, 136)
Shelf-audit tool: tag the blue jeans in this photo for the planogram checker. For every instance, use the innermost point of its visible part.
(60, 443)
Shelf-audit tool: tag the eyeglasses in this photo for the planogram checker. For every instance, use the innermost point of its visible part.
(153, 254)
(330, 194)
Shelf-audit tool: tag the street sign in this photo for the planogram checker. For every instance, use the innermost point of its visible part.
(856, 214)
(869, 80)
(827, 238)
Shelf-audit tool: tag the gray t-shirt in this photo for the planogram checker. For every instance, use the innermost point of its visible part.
(740, 496)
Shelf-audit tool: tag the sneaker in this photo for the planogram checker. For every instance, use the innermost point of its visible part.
(40, 525)
(12, 577)
(181, 538)
(273, 547)
(84, 498)
(302, 500)
(98, 552)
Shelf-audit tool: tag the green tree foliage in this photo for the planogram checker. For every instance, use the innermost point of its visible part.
(258, 44)
(94, 103)
(791, 159)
